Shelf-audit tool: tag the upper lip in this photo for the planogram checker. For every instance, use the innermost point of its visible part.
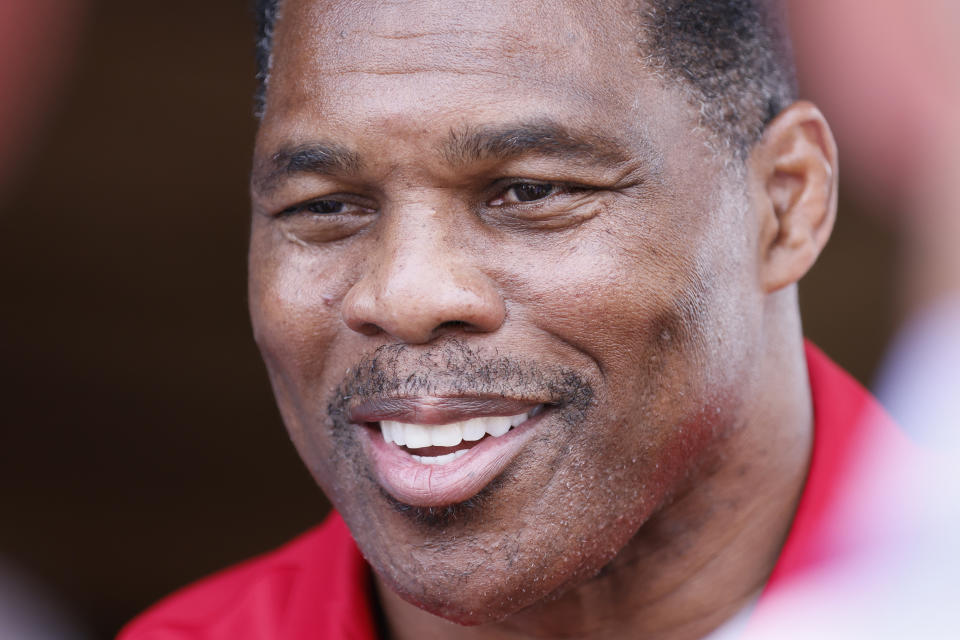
(437, 410)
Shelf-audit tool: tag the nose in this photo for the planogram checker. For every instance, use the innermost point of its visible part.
(415, 287)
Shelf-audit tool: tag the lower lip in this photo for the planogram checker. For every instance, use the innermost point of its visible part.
(438, 485)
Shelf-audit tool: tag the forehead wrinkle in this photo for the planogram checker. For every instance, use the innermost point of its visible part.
(385, 37)
(443, 56)
(498, 45)
(400, 70)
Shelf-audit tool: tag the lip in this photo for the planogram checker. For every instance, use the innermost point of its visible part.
(437, 410)
(424, 485)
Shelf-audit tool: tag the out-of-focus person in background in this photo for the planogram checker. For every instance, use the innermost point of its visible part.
(887, 75)
(37, 38)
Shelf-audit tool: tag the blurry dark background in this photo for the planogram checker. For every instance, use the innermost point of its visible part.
(139, 445)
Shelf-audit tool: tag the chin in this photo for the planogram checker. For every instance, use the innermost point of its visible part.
(467, 605)
(481, 577)
(494, 597)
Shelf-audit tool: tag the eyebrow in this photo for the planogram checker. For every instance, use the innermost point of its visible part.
(462, 146)
(313, 157)
(542, 137)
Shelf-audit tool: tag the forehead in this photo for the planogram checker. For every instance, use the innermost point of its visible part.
(456, 35)
(350, 59)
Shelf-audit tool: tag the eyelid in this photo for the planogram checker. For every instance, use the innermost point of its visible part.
(562, 188)
(346, 200)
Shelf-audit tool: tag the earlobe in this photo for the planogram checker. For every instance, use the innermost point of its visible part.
(793, 174)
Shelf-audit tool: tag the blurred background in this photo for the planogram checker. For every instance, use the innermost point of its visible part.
(139, 445)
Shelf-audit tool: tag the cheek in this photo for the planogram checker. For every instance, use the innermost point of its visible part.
(295, 319)
(294, 295)
(628, 298)
(291, 322)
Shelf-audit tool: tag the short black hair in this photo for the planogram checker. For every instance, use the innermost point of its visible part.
(265, 14)
(733, 55)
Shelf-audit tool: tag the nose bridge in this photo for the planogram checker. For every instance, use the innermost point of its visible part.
(421, 280)
(417, 251)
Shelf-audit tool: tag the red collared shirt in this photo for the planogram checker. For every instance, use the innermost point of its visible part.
(319, 586)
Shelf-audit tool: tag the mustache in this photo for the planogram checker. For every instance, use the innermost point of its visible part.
(452, 368)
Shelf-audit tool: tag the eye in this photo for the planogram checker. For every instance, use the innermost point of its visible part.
(324, 207)
(530, 191)
(520, 192)
(326, 219)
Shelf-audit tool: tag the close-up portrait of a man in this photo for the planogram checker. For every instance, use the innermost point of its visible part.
(524, 278)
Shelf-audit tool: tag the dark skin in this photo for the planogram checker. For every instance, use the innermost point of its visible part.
(448, 184)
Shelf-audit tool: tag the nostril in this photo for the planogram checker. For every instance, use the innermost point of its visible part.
(452, 325)
(416, 306)
(368, 329)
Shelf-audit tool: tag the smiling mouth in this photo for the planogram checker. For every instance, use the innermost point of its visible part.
(440, 451)
(443, 443)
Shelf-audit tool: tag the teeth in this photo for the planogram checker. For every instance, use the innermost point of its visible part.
(516, 421)
(474, 429)
(393, 432)
(499, 426)
(416, 436)
(446, 435)
(444, 459)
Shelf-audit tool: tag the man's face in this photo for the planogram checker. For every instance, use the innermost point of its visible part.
(467, 211)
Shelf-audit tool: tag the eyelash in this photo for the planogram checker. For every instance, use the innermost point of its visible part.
(305, 207)
(556, 189)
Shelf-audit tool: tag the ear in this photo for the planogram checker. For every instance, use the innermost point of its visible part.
(793, 180)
